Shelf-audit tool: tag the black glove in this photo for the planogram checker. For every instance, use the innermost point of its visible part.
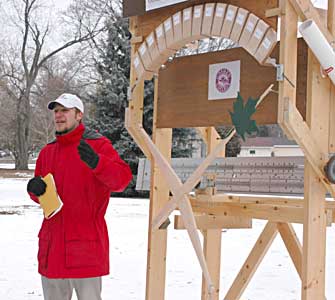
(87, 154)
(36, 186)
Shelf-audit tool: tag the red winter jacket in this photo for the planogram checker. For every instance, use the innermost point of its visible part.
(74, 242)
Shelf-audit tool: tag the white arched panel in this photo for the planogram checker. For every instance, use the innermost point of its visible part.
(201, 21)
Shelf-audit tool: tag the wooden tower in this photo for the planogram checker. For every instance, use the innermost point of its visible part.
(286, 76)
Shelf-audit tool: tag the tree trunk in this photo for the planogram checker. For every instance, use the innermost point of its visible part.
(22, 133)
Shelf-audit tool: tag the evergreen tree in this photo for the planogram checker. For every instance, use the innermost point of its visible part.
(110, 101)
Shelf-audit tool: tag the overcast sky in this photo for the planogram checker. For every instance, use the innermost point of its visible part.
(64, 3)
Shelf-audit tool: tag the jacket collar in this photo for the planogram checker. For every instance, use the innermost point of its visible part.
(73, 136)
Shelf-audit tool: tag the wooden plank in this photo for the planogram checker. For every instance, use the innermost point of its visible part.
(210, 137)
(288, 58)
(212, 236)
(306, 10)
(205, 222)
(252, 262)
(331, 27)
(292, 244)
(212, 253)
(310, 145)
(273, 213)
(183, 92)
(315, 218)
(275, 201)
(159, 195)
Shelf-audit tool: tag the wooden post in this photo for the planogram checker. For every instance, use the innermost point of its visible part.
(157, 241)
(331, 27)
(212, 237)
(314, 236)
(159, 195)
(288, 57)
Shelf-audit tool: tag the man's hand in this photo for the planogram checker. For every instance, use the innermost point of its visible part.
(36, 186)
(87, 154)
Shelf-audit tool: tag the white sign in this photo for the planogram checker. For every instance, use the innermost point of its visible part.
(153, 4)
(224, 80)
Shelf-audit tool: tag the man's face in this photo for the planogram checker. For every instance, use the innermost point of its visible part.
(66, 119)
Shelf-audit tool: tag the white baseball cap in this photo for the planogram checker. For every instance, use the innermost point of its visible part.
(68, 101)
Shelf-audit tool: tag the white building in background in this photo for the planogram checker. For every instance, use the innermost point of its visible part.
(269, 146)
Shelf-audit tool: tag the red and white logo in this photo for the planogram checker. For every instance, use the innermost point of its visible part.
(328, 70)
(223, 80)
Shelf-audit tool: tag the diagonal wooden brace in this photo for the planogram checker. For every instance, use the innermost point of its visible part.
(298, 128)
(306, 10)
(190, 183)
(184, 205)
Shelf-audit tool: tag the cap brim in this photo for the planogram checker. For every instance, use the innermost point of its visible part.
(51, 105)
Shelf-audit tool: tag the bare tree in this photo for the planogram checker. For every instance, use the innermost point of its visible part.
(21, 62)
(7, 120)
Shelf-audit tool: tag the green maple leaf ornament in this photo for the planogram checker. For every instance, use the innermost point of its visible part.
(241, 117)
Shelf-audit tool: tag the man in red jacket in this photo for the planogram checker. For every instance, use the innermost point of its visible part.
(73, 244)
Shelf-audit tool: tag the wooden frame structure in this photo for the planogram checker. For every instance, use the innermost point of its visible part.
(159, 34)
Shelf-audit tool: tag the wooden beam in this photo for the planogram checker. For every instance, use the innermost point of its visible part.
(292, 244)
(288, 57)
(205, 222)
(159, 195)
(132, 131)
(134, 112)
(314, 229)
(252, 262)
(273, 213)
(211, 138)
(212, 253)
(310, 145)
(306, 10)
(258, 202)
(331, 27)
(212, 236)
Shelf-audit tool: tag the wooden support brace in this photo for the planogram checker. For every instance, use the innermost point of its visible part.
(252, 262)
(132, 131)
(303, 136)
(185, 208)
(190, 183)
(306, 10)
(292, 244)
(205, 222)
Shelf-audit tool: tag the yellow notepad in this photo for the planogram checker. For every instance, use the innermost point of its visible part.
(50, 201)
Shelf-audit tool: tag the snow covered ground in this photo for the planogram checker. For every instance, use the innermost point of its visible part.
(276, 279)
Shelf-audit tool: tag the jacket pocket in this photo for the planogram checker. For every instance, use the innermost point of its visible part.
(81, 253)
(43, 252)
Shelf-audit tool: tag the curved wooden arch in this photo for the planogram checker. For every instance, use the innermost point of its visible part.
(204, 21)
